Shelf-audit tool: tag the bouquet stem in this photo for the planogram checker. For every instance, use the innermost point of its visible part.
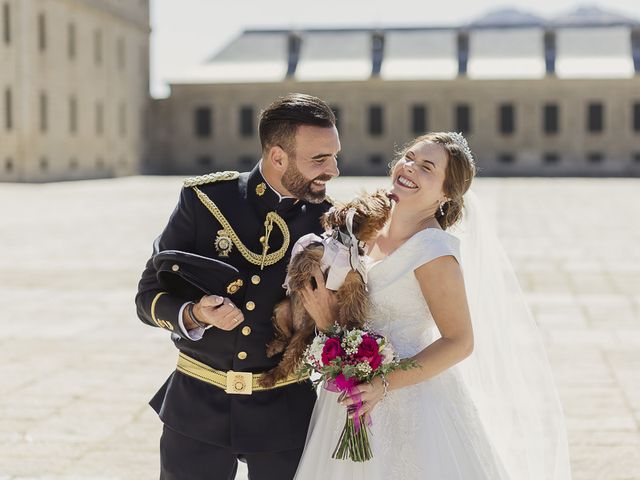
(354, 442)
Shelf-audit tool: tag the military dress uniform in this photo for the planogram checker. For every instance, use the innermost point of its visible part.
(213, 396)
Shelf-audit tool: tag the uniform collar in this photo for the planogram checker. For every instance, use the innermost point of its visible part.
(264, 197)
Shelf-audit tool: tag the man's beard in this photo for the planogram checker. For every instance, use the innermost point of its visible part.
(301, 187)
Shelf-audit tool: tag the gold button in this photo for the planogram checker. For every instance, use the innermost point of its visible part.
(175, 267)
(255, 279)
(250, 305)
(242, 355)
(246, 331)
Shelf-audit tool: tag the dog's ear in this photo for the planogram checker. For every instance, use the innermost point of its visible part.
(371, 214)
(334, 217)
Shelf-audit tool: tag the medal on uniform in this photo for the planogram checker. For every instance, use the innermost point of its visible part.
(260, 189)
(223, 243)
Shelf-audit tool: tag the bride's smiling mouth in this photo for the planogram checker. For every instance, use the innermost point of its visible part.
(404, 182)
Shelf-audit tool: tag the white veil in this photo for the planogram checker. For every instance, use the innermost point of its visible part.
(508, 374)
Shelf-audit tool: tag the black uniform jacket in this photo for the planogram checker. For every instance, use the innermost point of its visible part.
(265, 421)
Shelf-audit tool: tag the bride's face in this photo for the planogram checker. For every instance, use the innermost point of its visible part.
(419, 176)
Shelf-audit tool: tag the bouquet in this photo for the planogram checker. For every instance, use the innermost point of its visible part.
(345, 358)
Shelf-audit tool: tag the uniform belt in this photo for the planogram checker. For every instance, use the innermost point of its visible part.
(237, 383)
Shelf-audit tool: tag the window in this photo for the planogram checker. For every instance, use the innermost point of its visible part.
(99, 119)
(463, 118)
(550, 52)
(551, 158)
(44, 164)
(376, 120)
(120, 53)
(418, 119)
(71, 41)
(97, 47)
(203, 122)
(8, 165)
(636, 158)
(6, 22)
(377, 53)
(376, 159)
(463, 52)
(506, 158)
(122, 120)
(73, 164)
(204, 161)
(595, 157)
(550, 120)
(8, 109)
(246, 121)
(636, 117)
(246, 161)
(44, 112)
(73, 115)
(506, 113)
(595, 117)
(100, 163)
(42, 32)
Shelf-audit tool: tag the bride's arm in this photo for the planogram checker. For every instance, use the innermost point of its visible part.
(442, 285)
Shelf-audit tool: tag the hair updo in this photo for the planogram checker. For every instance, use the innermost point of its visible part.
(458, 175)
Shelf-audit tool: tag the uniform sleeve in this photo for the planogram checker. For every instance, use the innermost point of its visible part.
(157, 307)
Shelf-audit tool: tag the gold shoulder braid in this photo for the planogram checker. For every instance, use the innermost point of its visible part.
(211, 178)
(257, 259)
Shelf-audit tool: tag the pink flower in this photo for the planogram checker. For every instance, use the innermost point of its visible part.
(369, 350)
(332, 349)
(344, 384)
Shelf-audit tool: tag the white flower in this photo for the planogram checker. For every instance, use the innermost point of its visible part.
(364, 367)
(388, 355)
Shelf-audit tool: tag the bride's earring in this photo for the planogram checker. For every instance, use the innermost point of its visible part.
(441, 210)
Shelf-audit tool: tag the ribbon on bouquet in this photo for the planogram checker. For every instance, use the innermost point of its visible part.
(348, 386)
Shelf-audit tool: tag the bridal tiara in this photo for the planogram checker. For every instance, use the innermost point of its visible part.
(459, 140)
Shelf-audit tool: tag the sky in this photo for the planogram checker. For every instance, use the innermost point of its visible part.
(187, 32)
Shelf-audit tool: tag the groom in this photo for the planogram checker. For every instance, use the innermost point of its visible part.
(241, 226)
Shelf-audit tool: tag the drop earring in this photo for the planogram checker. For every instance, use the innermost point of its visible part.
(441, 210)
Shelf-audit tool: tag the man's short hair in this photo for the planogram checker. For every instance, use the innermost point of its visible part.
(279, 122)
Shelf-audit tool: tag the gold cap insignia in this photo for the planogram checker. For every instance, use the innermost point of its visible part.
(260, 189)
(233, 287)
(223, 243)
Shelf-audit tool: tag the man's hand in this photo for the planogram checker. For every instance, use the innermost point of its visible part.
(320, 303)
(217, 311)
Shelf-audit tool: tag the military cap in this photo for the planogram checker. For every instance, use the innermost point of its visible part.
(192, 276)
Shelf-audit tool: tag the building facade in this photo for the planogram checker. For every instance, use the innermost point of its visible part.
(535, 97)
(74, 88)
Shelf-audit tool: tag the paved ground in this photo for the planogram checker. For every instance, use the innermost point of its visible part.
(77, 367)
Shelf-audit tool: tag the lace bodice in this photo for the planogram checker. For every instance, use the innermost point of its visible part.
(398, 308)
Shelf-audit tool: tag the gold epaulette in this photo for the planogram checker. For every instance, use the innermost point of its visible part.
(211, 178)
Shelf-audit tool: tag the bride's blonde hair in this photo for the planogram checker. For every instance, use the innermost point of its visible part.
(460, 171)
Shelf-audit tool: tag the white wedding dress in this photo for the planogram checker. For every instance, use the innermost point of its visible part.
(427, 431)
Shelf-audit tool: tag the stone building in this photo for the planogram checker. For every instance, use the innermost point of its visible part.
(535, 97)
(74, 88)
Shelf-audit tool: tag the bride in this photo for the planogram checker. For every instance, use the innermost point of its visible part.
(481, 404)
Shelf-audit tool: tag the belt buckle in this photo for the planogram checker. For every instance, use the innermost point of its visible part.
(239, 383)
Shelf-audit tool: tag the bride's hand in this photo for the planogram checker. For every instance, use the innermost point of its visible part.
(370, 394)
(321, 303)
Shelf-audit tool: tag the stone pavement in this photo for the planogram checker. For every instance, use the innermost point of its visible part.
(77, 367)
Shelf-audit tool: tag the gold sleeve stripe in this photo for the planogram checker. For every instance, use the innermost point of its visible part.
(153, 307)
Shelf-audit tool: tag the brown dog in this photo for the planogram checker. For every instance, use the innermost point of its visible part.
(293, 325)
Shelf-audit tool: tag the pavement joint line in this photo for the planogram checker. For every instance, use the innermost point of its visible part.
(625, 397)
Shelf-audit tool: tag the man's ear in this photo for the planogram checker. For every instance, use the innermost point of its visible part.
(277, 158)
